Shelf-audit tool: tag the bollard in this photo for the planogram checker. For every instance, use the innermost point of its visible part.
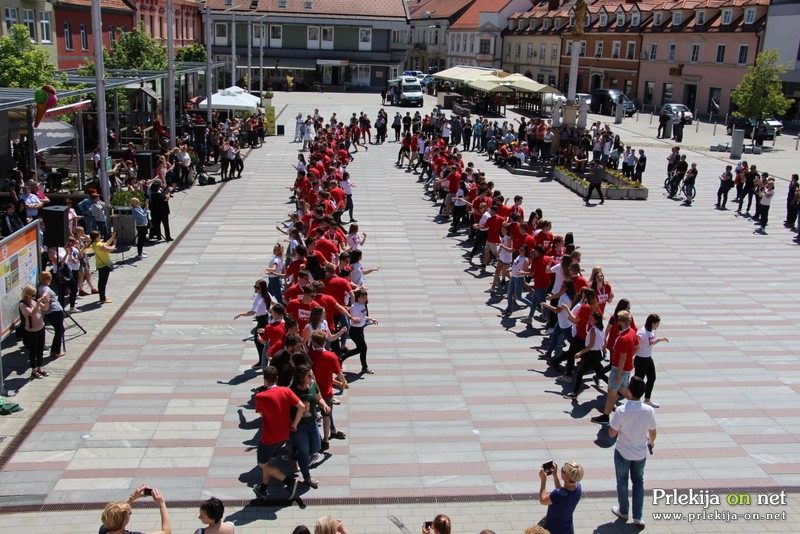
(715, 128)
(697, 125)
(797, 142)
(651, 116)
(637, 115)
(774, 137)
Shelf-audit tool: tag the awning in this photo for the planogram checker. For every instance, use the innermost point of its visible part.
(290, 63)
(334, 62)
(230, 101)
(52, 132)
(522, 83)
(466, 74)
(489, 86)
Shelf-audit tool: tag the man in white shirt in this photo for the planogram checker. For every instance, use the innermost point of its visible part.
(634, 426)
(32, 203)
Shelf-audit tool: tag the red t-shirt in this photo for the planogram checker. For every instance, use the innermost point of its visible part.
(580, 282)
(544, 239)
(452, 185)
(273, 332)
(325, 364)
(275, 406)
(338, 288)
(602, 296)
(504, 211)
(300, 311)
(625, 344)
(327, 249)
(331, 310)
(293, 268)
(583, 315)
(539, 265)
(494, 224)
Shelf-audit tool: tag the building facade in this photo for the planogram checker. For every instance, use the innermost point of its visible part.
(532, 43)
(38, 16)
(152, 15)
(475, 38)
(427, 35)
(697, 53)
(73, 22)
(338, 43)
(783, 21)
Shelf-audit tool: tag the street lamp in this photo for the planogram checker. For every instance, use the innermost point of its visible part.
(171, 73)
(100, 94)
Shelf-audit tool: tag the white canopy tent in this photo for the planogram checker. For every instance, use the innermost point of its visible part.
(230, 99)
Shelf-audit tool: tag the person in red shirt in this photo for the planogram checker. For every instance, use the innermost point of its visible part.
(578, 316)
(621, 365)
(272, 333)
(597, 281)
(325, 365)
(274, 404)
(299, 309)
(327, 249)
(541, 280)
(493, 225)
(576, 276)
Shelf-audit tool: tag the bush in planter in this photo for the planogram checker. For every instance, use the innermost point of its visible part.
(267, 94)
(122, 198)
(627, 181)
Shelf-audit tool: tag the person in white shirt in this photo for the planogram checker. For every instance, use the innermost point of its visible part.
(634, 426)
(643, 364)
(591, 356)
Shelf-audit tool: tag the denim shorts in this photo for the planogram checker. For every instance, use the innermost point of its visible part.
(612, 378)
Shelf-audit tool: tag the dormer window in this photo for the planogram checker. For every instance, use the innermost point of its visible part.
(701, 18)
(572, 21)
(546, 24)
(677, 17)
(603, 20)
(726, 16)
(557, 24)
(587, 21)
(749, 16)
(635, 18)
(657, 19)
(620, 19)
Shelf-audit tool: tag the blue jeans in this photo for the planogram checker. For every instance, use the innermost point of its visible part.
(558, 336)
(515, 292)
(634, 469)
(306, 443)
(274, 288)
(536, 297)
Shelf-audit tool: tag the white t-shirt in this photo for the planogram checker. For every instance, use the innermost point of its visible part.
(633, 421)
(259, 306)
(560, 276)
(505, 255)
(646, 342)
(598, 339)
(354, 241)
(357, 274)
(360, 311)
(563, 316)
(518, 265)
(277, 264)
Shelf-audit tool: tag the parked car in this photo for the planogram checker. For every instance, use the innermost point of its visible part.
(677, 109)
(748, 125)
(414, 73)
(605, 100)
(775, 123)
(584, 96)
(426, 80)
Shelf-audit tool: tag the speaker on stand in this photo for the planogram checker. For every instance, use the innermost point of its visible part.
(124, 226)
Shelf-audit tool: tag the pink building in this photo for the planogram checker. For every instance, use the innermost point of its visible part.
(695, 52)
(152, 14)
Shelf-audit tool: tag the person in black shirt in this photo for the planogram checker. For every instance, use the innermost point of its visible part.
(10, 222)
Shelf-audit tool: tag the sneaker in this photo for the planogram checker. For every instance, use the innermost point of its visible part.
(95, 291)
(616, 512)
(564, 379)
(638, 523)
(311, 483)
(324, 446)
(335, 401)
(601, 420)
(651, 403)
(367, 371)
(82, 293)
(338, 434)
(256, 366)
(260, 491)
(548, 332)
(570, 396)
(291, 486)
(526, 320)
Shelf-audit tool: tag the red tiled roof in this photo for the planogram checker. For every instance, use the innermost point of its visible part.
(472, 16)
(439, 9)
(109, 4)
(356, 8)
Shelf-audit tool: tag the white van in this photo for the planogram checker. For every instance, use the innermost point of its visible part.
(406, 90)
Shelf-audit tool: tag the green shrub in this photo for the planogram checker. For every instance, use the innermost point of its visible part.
(123, 197)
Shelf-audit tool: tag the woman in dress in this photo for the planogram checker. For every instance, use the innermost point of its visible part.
(643, 364)
(211, 513)
(260, 308)
(360, 319)
(31, 309)
(306, 439)
(85, 274)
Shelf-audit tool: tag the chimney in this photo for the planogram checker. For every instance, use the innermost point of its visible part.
(553, 4)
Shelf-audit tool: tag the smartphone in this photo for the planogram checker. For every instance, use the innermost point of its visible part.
(548, 467)
(148, 492)
(427, 524)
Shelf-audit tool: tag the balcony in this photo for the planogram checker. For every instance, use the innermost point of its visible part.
(420, 46)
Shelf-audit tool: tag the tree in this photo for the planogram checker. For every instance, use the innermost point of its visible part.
(135, 50)
(760, 95)
(194, 53)
(23, 64)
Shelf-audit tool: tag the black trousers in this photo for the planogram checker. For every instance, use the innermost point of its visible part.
(480, 242)
(261, 322)
(594, 187)
(102, 275)
(645, 369)
(357, 335)
(591, 361)
(56, 320)
(35, 344)
(141, 238)
(576, 345)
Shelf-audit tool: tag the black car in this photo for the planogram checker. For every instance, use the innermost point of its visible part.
(748, 125)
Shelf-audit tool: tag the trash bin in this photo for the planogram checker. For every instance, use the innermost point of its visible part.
(281, 130)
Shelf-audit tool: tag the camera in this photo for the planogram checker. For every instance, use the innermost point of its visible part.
(148, 492)
(548, 467)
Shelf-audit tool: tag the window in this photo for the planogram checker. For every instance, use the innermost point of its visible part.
(471, 44)
(657, 19)
(569, 48)
(397, 37)
(631, 53)
(518, 49)
(365, 39)
(726, 16)
(84, 38)
(583, 48)
(327, 38)
(587, 21)
(635, 18)
(615, 48)
(749, 16)
(720, 58)
(485, 46)
(258, 35)
(694, 56)
(29, 20)
(671, 52)
(530, 50)
(282, 4)
(701, 18)
(312, 36)
(68, 35)
(540, 78)
(743, 51)
(649, 88)
(557, 24)
(44, 27)
(554, 52)
(309, 5)
(551, 81)
(220, 34)
(11, 17)
(666, 93)
(603, 20)
(546, 24)
(112, 33)
(614, 83)
(275, 36)
(572, 21)
(677, 17)
(598, 49)
(653, 51)
(542, 51)
(620, 19)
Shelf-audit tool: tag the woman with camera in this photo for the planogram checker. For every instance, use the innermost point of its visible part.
(562, 501)
(117, 515)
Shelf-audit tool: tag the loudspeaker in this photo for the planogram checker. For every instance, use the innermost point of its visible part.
(144, 165)
(56, 225)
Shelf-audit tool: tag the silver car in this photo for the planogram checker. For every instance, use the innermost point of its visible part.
(677, 109)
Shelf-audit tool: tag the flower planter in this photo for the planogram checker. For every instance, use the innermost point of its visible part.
(621, 190)
(614, 194)
(637, 194)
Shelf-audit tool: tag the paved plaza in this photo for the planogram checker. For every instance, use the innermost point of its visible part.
(459, 408)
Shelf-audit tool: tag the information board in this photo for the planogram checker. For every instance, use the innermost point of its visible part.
(19, 266)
